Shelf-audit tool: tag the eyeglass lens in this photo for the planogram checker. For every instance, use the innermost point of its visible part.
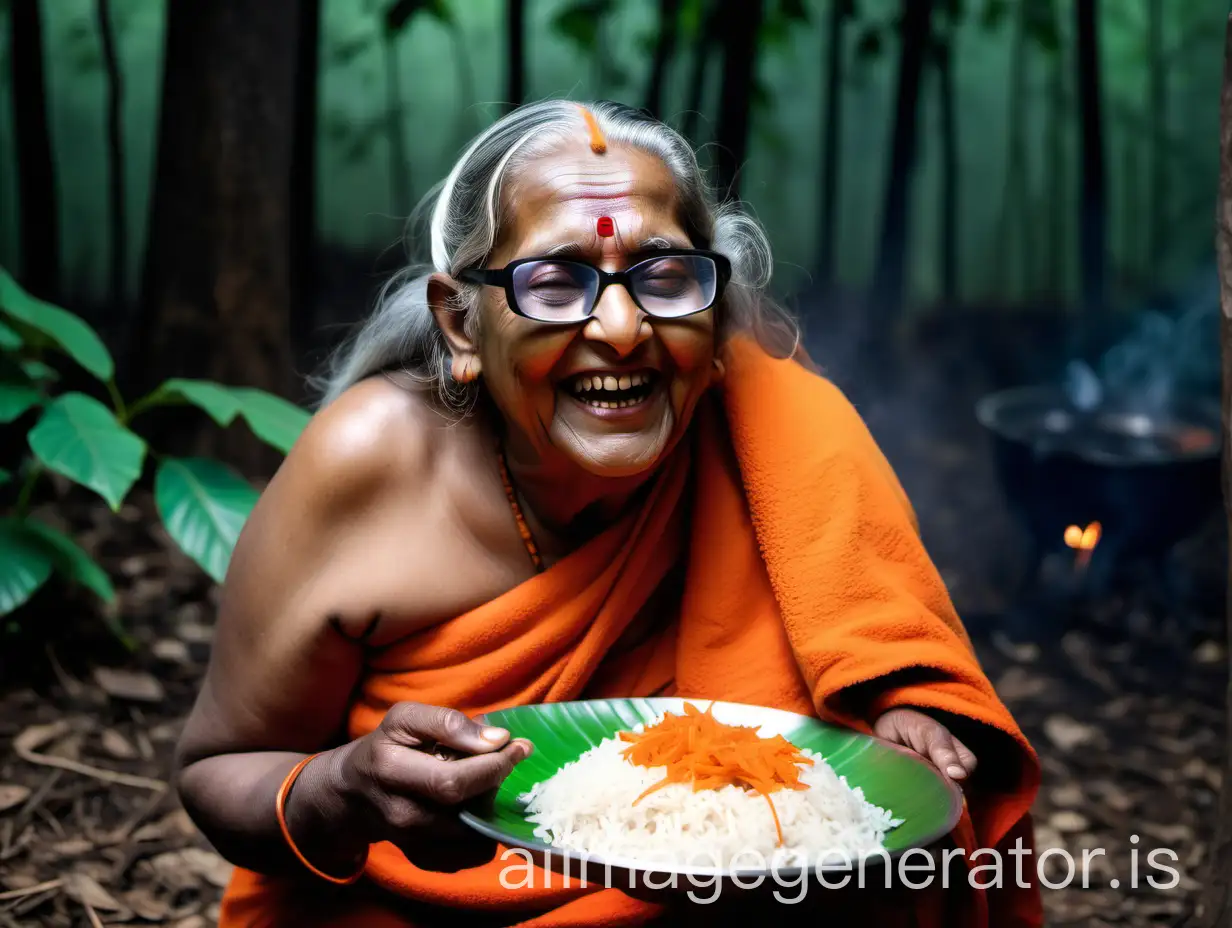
(667, 287)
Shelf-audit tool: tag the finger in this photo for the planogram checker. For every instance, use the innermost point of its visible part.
(944, 755)
(449, 782)
(415, 724)
(965, 756)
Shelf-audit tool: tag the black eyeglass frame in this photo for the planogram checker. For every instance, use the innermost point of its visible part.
(503, 278)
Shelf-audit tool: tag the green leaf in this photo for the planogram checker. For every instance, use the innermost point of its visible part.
(272, 419)
(10, 338)
(25, 564)
(16, 399)
(79, 437)
(37, 370)
(203, 504)
(5, 476)
(71, 562)
(66, 331)
(214, 399)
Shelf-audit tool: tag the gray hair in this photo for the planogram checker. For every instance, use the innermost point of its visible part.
(464, 215)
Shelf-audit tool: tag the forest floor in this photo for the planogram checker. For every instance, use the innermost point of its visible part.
(1130, 742)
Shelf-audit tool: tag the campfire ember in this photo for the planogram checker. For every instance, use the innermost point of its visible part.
(1083, 540)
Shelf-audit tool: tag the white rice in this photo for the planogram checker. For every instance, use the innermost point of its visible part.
(587, 806)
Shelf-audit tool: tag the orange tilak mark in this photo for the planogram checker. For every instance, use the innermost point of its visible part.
(598, 144)
(697, 749)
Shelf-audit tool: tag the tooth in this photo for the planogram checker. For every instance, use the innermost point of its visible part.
(625, 383)
(609, 383)
(597, 382)
(636, 380)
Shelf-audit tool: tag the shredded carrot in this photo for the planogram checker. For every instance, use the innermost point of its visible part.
(709, 754)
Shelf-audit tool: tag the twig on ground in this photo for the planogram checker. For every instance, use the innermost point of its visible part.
(94, 921)
(31, 890)
(86, 770)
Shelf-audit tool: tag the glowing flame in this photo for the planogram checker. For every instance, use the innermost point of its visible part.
(1083, 540)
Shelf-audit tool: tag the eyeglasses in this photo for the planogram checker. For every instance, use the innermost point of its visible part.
(667, 285)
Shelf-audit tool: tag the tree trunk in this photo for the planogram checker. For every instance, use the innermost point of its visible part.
(1216, 901)
(515, 55)
(36, 175)
(117, 221)
(395, 131)
(831, 138)
(1057, 180)
(1157, 107)
(303, 210)
(949, 171)
(1093, 218)
(739, 26)
(217, 269)
(889, 280)
(705, 40)
(665, 48)
(1014, 222)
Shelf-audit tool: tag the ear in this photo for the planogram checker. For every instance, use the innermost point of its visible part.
(442, 300)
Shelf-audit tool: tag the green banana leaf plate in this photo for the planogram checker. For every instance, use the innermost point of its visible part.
(910, 787)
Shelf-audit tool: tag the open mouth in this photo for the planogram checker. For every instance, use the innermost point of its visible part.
(612, 391)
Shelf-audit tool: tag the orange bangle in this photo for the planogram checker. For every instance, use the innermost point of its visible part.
(280, 810)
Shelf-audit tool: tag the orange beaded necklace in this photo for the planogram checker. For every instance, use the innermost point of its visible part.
(523, 529)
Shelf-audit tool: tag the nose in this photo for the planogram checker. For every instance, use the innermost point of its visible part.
(617, 322)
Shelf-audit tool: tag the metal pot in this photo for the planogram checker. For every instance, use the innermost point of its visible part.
(1150, 478)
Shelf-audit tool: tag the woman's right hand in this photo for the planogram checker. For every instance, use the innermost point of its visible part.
(405, 781)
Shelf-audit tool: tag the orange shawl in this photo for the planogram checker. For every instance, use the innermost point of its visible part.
(804, 575)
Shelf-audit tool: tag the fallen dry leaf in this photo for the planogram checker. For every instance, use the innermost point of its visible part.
(171, 651)
(175, 824)
(86, 890)
(1069, 796)
(1066, 733)
(129, 684)
(1067, 821)
(34, 737)
(12, 795)
(117, 745)
(73, 847)
(147, 905)
(184, 868)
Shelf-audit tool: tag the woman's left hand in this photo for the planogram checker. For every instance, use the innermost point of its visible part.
(929, 738)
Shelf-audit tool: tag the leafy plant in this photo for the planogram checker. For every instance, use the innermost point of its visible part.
(202, 503)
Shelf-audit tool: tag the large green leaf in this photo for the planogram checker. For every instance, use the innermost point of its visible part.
(204, 504)
(271, 418)
(62, 328)
(219, 402)
(10, 338)
(25, 564)
(79, 437)
(71, 561)
(15, 399)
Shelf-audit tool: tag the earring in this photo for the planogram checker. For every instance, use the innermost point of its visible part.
(467, 374)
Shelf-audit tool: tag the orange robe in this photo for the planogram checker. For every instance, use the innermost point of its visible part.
(803, 575)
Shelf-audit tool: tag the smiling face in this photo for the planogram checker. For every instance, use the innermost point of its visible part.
(613, 394)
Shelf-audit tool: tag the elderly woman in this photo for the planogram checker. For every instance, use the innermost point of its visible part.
(580, 456)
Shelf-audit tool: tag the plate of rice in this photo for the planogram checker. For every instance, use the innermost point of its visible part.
(709, 788)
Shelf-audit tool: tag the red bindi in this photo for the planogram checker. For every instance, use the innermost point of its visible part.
(605, 227)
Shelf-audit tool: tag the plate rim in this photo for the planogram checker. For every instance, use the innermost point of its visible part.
(952, 818)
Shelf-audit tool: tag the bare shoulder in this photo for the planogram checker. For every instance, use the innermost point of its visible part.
(375, 434)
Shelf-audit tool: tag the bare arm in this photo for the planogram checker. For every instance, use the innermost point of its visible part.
(283, 666)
